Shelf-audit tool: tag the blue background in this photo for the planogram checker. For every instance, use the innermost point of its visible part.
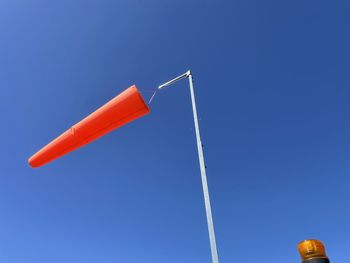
(272, 85)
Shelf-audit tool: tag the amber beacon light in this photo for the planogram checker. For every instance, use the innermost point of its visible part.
(312, 251)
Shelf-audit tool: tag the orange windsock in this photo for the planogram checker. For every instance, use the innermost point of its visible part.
(126, 107)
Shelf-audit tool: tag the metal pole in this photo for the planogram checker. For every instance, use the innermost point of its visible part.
(214, 253)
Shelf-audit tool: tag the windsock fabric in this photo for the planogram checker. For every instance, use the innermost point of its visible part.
(126, 107)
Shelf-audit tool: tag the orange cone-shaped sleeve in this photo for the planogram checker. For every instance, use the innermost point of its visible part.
(124, 108)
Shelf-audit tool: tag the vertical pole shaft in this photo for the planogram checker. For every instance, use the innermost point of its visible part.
(214, 253)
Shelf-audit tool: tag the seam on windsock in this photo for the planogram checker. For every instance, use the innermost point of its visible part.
(82, 140)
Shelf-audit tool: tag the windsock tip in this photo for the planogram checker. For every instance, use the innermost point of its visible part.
(32, 162)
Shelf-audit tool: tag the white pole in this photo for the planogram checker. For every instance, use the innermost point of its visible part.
(214, 252)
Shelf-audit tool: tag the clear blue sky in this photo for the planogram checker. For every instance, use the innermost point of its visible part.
(272, 84)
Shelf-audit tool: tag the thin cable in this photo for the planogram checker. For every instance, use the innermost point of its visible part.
(154, 94)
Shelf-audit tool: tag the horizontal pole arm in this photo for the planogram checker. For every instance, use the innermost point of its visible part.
(185, 75)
